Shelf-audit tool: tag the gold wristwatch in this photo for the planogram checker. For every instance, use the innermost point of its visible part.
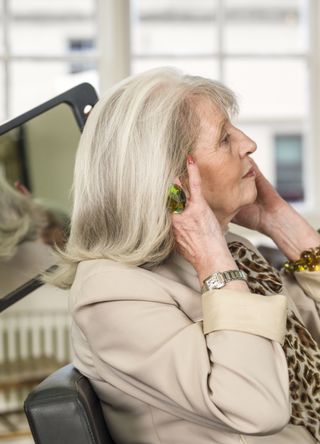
(220, 279)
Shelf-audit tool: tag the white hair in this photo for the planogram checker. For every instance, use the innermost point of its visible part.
(134, 144)
(21, 220)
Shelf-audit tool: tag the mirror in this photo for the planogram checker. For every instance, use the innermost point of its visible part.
(38, 149)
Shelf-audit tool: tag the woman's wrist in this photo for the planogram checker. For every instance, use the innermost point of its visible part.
(290, 232)
(214, 263)
(236, 283)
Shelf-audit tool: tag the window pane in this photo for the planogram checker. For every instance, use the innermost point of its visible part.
(47, 37)
(180, 27)
(195, 66)
(277, 26)
(35, 82)
(269, 88)
(60, 6)
(175, 38)
(289, 166)
(163, 6)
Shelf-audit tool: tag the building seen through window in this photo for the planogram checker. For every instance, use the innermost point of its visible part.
(78, 46)
(289, 166)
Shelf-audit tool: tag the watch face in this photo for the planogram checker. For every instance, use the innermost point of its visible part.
(215, 281)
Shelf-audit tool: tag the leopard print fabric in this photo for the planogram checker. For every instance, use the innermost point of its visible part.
(301, 350)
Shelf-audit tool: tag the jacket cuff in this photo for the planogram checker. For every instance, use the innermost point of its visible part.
(309, 281)
(246, 312)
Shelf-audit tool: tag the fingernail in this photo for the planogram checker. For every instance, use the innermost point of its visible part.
(190, 159)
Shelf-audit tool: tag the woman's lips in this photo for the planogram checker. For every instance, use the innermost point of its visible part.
(250, 173)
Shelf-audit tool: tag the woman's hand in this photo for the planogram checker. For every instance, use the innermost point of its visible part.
(198, 234)
(256, 216)
(273, 216)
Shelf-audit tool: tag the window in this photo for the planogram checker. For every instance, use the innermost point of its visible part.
(259, 49)
(289, 166)
(81, 46)
(39, 56)
(179, 33)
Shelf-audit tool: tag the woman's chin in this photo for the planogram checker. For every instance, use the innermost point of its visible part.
(250, 196)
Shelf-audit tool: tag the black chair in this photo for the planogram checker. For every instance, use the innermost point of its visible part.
(64, 409)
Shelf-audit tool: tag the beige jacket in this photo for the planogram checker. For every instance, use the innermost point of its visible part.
(171, 367)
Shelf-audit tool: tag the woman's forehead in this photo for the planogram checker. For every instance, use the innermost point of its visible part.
(206, 108)
(212, 119)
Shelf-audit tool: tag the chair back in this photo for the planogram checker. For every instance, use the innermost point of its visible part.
(65, 409)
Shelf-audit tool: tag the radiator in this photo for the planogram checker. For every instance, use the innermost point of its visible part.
(32, 345)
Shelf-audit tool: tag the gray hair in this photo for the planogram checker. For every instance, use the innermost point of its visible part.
(134, 144)
(21, 219)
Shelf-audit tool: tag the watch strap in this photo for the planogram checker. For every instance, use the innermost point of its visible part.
(234, 275)
(220, 279)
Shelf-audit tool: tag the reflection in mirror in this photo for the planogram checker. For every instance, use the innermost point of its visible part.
(40, 154)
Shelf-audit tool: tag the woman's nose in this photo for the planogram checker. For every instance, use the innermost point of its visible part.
(247, 146)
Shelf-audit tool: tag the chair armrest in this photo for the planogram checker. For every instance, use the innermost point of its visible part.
(65, 409)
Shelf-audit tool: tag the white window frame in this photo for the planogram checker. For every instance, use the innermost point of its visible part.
(7, 57)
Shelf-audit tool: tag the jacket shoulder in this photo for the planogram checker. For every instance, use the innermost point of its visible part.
(105, 281)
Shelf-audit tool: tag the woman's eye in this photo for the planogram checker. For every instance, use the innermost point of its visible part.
(225, 139)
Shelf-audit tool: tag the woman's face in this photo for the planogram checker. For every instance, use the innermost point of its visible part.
(222, 155)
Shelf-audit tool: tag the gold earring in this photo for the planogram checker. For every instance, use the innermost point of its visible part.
(176, 199)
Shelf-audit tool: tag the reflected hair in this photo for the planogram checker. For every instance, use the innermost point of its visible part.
(134, 144)
(21, 220)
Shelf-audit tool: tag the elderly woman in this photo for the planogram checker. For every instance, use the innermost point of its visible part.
(186, 333)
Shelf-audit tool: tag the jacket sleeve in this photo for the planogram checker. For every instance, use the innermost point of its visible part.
(144, 345)
(304, 288)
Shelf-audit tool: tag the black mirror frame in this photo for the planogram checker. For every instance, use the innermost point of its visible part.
(77, 98)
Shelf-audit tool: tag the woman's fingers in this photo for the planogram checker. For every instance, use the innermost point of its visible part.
(192, 189)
